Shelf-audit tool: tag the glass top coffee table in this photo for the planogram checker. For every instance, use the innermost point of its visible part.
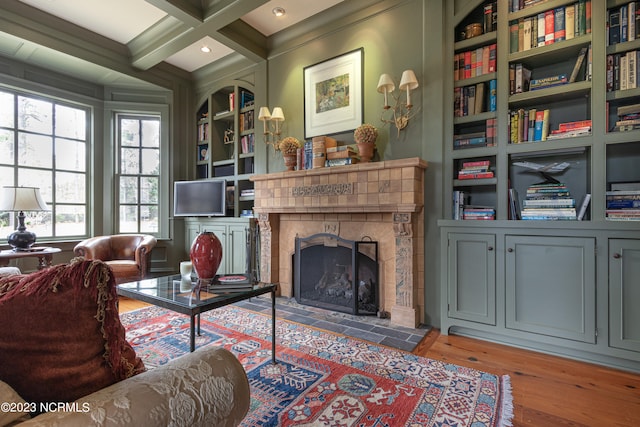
(186, 297)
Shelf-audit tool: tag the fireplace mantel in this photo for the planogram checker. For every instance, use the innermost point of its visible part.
(380, 200)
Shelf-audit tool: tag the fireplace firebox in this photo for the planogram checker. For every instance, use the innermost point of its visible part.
(337, 274)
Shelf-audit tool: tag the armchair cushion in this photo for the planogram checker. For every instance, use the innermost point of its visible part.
(61, 336)
(128, 255)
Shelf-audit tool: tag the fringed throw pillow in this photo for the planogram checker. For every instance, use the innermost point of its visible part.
(61, 336)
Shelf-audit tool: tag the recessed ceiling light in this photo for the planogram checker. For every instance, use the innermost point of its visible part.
(205, 49)
(278, 11)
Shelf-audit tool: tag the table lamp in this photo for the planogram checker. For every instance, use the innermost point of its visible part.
(20, 199)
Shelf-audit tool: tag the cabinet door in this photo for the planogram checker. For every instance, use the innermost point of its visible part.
(236, 249)
(624, 294)
(472, 277)
(192, 230)
(220, 230)
(550, 286)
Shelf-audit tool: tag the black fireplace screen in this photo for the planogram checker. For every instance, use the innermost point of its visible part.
(337, 274)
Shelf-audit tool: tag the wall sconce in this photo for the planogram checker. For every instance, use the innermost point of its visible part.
(401, 110)
(271, 134)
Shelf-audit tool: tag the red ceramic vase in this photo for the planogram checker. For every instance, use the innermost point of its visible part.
(206, 254)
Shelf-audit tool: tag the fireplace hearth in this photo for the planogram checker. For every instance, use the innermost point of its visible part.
(337, 274)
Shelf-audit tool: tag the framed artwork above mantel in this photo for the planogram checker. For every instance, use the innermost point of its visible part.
(333, 95)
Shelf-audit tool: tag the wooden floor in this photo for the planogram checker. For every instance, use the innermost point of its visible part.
(548, 391)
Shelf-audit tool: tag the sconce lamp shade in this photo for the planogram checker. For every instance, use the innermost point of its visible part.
(20, 199)
(408, 81)
(264, 114)
(385, 84)
(277, 115)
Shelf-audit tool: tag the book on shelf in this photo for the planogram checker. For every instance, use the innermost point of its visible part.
(471, 212)
(474, 139)
(580, 60)
(584, 204)
(341, 162)
(460, 199)
(490, 131)
(514, 205)
(342, 154)
(493, 94)
(490, 17)
(246, 99)
(475, 175)
(559, 30)
(623, 214)
(545, 82)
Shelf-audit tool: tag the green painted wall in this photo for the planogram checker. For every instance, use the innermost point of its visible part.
(408, 35)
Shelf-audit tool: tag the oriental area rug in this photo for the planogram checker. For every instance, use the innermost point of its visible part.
(325, 379)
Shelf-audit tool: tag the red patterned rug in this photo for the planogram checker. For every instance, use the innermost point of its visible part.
(324, 379)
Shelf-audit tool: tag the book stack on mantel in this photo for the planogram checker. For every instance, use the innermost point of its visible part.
(548, 201)
(623, 202)
(478, 169)
(341, 155)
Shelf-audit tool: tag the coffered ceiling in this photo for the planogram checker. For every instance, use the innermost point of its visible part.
(61, 33)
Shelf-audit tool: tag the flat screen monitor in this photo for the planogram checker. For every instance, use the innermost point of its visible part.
(205, 197)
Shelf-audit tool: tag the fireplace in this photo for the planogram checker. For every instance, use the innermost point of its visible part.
(336, 274)
(382, 200)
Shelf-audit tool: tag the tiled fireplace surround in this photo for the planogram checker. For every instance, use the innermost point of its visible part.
(381, 200)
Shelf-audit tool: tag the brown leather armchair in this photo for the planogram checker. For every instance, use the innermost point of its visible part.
(128, 255)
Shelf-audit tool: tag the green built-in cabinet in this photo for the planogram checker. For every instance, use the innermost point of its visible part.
(565, 287)
(624, 285)
(234, 234)
(472, 280)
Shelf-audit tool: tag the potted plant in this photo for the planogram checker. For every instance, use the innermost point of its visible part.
(365, 136)
(289, 148)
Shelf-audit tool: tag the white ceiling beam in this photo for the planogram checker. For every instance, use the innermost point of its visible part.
(183, 10)
(170, 35)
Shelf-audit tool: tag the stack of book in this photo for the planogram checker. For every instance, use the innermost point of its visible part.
(628, 118)
(471, 140)
(478, 169)
(548, 201)
(341, 155)
(571, 129)
(623, 205)
(463, 210)
(478, 213)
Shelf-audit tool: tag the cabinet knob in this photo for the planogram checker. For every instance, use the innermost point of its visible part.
(490, 248)
(617, 255)
(510, 250)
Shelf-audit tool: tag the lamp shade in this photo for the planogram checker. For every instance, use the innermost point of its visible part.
(22, 199)
(408, 81)
(264, 114)
(277, 115)
(385, 82)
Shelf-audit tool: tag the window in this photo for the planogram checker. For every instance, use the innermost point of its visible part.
(138, 173)
(43, 143)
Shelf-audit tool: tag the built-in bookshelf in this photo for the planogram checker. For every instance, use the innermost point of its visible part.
(225, 143)
(562, 176)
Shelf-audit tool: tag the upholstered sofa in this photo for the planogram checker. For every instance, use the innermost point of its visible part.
(64, 349)
(205, 388)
